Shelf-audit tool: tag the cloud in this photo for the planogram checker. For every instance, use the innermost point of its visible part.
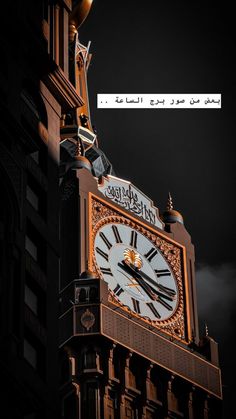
(216, 291)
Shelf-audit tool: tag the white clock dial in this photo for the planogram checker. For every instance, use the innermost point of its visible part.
(136, 271)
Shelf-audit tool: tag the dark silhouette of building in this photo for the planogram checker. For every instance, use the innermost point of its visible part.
(70, 346)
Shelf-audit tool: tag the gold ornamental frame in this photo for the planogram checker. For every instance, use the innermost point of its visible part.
(101, 213)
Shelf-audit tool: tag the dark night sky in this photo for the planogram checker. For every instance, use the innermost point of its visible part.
(172, 47)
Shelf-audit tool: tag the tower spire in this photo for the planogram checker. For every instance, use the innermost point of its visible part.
(169, 205)
(170, 215)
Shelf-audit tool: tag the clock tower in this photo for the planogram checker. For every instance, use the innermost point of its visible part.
(129, 337)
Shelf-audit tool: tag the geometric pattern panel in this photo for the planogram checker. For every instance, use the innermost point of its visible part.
(158, 349)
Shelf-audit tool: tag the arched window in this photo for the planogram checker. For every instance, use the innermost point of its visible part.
(82, 295)
(93, 294)
(90, 358)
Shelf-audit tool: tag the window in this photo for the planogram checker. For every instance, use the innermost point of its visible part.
(31, 299)
(90, 358)
(34, 353)
(32, 198)
(36, 196)
(36, 245)
(32, 105)
(34, 119)
(35, 156)
(30, 353)
(31, 248)
(40, 157)
(35, 298)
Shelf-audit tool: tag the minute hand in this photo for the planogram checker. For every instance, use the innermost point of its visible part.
(168, 291)
(139, 280)
(152, 292)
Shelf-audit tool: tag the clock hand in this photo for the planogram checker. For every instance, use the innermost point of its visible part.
(132, 284)
(139, 279)
(153, 294)
(167, 290)
(160, 294)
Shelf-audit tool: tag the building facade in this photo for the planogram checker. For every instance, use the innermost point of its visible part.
(97, 289)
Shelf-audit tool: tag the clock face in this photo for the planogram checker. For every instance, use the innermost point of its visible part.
(136, 271)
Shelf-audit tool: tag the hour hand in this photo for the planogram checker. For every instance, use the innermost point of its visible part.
(169, 291)
(139, 280)
(129, 269)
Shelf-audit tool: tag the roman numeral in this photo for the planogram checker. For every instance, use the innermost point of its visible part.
(116, 234)
(103, 254)
(106, 271)
(118, 290)
(162, 272)
(133, 239)
(150, 254)
(154, 311)
(105, 239)
(165, 304)
(136, 305)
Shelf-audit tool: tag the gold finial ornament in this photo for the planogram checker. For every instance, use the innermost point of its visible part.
(169, 205)
(79, 12)
(170, 215)
(133, 258)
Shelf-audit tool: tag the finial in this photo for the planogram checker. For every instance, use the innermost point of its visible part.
(206, 330)
(170, 215)
(169, 205)
(78, 148)
(79, 12)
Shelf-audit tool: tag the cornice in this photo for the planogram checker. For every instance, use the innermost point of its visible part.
(63, 90)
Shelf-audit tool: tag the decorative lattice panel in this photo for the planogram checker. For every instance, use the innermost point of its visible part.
(161, 351)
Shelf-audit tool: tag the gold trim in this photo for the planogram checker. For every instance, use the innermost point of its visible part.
(133, 258)
(156, 229)
(187, 296)
(80, 12)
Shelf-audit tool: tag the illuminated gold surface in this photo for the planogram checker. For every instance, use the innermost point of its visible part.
(80, 12)
(133, 258)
